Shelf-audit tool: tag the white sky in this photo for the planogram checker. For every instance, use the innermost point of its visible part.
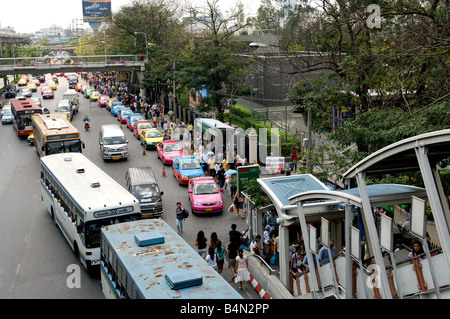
(28, 16)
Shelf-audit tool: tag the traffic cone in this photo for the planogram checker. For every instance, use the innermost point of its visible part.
(164, 172)
(144, 152)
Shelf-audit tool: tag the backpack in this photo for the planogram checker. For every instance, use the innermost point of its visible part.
(185, 213)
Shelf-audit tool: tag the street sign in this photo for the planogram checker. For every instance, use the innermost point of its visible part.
(245, 174)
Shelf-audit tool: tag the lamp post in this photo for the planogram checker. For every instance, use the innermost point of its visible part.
(145, 34)
(104, 35)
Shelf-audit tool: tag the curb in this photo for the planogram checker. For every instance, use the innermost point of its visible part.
(262, 293)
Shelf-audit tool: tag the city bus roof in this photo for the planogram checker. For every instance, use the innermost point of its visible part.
(148, 265)
(91, 188)
(54, 124)
(214, 124)
(24, 105)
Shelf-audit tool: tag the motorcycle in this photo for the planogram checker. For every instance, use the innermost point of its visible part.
(86, 125)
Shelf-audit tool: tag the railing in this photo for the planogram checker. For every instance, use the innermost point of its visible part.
(16, 62)
(264, 263)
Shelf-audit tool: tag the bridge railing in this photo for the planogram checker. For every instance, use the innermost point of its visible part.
(69, 60)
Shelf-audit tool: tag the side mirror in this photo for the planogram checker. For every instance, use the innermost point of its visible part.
(189, 191)
(162, 193)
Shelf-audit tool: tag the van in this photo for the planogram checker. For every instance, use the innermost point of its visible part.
(64, 107)
(113, 144)
(72, 96)
(141, 182)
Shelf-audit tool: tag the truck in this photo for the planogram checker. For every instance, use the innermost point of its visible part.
(72, 96)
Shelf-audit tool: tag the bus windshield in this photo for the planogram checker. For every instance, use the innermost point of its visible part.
(63, 147)
(92, 228)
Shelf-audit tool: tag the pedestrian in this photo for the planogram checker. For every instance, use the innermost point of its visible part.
(233, 185)
(221, 177)
(256, 246)
(243, 274)
(211, 166)
(232, 251)
(267, 243)
(213, 242)
(220, 250)
(235, 236)
(239, 204)
(212, 259)
(294, 158)
(201, 243)
(179, 217)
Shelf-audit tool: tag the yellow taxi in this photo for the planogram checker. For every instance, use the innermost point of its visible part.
(94, 96)
(32, 86)
(109, 103)
(150, 138)
(52, 84)
(23, 82)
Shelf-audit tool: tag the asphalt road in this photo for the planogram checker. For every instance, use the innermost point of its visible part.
(34, 254)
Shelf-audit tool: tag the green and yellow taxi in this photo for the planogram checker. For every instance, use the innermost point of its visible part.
(94, 96)
(109, 103)
(23, 81)
(150, 138)
(32, 87)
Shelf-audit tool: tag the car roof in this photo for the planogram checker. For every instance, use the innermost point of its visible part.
(204, 179)
(169, 142)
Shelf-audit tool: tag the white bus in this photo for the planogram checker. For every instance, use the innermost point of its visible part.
(81, 198)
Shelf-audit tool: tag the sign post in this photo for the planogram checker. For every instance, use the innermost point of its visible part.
(246, 174)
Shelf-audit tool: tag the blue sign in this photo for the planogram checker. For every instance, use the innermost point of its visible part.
(96, 9)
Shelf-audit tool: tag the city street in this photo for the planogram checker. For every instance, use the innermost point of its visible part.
(35, 255)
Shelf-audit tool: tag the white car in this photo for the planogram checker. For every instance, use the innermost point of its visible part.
(26, 92)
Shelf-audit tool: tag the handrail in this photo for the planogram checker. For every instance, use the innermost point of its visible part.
(263, 262)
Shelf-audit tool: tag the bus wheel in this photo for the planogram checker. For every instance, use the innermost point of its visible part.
(52, 212)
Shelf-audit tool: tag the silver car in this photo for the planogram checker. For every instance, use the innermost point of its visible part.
(7, 117)
(26, 92)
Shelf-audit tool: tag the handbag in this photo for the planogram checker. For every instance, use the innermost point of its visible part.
(231, 208)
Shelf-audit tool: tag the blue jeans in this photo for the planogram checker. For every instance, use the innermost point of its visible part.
(179, 225)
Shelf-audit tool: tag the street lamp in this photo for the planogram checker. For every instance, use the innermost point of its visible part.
(106, 60)
(145, 34)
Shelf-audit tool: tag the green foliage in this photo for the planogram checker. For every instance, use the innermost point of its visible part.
(257, 194)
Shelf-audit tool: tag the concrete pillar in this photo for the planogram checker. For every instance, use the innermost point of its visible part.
(283, 232)
(143, 93)
(253, 146)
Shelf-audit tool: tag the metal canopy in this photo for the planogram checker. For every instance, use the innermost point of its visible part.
(401, 156)
(380, 194)
(281, 188)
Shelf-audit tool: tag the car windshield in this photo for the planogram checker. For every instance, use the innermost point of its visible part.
(135, 118)
(7, 113)
(48, 91)
(189, 165)
(114, 140)
(172, 148)
(63, 109)
(206, 188)
(144, 126)
(125, 113)
(151, 134)
(145, 191)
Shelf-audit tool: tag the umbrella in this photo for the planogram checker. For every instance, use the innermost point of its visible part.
(230, 172)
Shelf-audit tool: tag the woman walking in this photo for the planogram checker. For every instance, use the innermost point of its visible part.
(220, 250)
(201, 243)
(212, 258)
(243, 274)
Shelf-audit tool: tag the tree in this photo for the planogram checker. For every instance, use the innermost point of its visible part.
(213, 60)
(396, 75)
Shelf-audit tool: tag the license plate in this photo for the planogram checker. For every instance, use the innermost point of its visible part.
(116, 158)
(209, 209)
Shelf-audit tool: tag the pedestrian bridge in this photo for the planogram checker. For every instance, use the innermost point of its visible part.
(96, 63)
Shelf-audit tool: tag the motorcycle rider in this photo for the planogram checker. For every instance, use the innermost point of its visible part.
(86, 121)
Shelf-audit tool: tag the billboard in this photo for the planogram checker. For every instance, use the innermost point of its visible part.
(245, 174)
(96, 10)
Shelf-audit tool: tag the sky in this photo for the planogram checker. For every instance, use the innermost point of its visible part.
(28, 16)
